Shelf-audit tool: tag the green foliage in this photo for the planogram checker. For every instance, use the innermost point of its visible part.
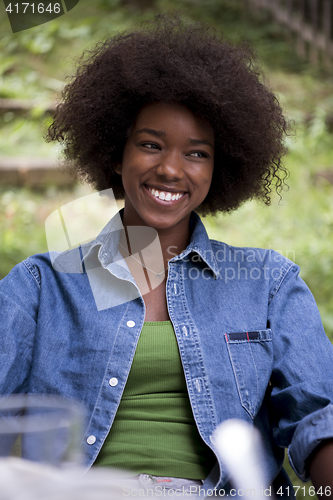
(35, 63)
(19, 215)
(22, 220)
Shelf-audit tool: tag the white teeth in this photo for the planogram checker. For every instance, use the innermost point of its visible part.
(165, 195)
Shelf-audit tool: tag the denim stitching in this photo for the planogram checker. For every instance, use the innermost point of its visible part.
(237, 384)
(277, 286)
(32, 270)
(182, 350)
(255, 367)
(99, 396)
(250, 408)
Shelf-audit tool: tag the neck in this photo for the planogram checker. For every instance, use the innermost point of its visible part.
(171, 241)
(139, 235)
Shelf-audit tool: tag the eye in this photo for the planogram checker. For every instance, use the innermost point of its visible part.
(150, 145)
(199, 154)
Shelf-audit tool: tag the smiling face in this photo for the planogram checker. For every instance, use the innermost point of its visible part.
(167, 166)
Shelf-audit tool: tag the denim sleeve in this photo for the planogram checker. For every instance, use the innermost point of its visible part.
(302, 377)
(19, 298)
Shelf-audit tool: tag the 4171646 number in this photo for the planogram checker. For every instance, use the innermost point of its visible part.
(33, 8)
(303, 490)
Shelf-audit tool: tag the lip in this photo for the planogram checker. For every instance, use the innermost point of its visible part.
(165, 202)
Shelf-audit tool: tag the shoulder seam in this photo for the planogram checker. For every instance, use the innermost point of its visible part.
(284, 271)
(33, 272)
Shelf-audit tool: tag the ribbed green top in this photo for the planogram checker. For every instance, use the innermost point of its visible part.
(154, 430)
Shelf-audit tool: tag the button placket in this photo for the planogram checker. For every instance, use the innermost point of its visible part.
(187, 337)
(91, 439)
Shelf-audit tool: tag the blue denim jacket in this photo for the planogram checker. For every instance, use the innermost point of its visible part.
(248, 329)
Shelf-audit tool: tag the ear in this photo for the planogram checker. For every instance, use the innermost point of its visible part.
(117, 168)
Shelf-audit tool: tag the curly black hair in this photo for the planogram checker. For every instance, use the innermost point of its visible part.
(172, 60)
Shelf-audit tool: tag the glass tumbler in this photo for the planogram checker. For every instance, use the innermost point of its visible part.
(41, 428)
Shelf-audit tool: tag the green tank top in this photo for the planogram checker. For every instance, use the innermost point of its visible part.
(154, 431)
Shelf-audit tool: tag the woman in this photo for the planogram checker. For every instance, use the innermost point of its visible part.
(160, 332)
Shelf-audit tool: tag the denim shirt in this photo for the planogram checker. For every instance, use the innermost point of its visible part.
(249, 333)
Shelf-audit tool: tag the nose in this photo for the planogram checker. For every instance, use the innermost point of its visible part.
(171, 166)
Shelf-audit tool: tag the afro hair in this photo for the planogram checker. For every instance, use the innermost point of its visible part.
(173, 60)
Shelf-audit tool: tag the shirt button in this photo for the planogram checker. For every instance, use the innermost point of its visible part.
(91, 440)
(113, 381)
(130, 324)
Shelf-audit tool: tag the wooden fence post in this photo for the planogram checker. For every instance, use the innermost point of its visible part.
(327, 28)
(300, 44)
(314, 24)
(309, 21)
(289, 9)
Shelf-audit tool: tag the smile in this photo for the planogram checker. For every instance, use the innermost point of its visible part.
(165, 195)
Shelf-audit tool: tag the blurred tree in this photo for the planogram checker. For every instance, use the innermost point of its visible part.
(139, 4)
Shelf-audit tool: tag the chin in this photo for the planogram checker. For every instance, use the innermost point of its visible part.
(162, 224)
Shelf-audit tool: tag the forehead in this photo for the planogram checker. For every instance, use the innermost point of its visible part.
(170, 116)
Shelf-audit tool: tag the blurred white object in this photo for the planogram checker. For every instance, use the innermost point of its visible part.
(25, 480)
(238, 445)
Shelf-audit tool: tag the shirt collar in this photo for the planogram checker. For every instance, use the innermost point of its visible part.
(200, 244)
(108, 243)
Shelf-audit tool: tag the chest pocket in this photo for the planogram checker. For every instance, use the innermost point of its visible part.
(251, 356)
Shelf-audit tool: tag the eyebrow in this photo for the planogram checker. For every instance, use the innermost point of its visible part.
(161, 133)
(157, 133)
(198, 142)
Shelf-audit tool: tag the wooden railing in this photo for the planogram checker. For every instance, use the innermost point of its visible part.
(308, 22)
(32, 172)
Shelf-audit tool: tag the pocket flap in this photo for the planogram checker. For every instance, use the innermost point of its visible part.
(251, 357)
